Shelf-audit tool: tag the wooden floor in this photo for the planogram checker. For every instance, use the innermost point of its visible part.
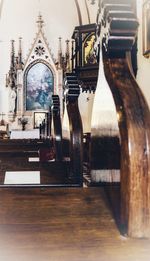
(63, 224)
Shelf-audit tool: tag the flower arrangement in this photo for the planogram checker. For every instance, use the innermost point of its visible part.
(23, 121)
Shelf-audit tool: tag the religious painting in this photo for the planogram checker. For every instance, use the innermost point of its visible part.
(89, 56)
(39, 118)
(146, 28)
(39, 87)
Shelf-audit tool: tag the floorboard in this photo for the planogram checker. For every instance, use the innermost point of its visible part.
(63, 224)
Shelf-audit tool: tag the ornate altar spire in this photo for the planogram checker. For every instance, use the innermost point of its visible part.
(60, 53)
(11, 78)
(12, 65)
(60, 46)
(67, 56)
(40, 47)
(40, 22)
(20, 61)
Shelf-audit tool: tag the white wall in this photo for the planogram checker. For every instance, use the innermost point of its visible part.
(92, 11)
(143, 75)
(85, 107)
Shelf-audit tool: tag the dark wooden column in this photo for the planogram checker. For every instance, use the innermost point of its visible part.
(49, 122)
(118, 30)
(76, 132)
(57, 126)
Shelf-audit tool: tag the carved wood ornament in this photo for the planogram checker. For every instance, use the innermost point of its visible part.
(57, 126)
(118, 26)
(75, 124)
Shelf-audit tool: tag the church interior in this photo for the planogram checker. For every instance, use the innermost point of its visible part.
(74, 130)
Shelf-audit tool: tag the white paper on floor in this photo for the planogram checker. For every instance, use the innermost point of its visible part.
(34, 159)
(22, 177)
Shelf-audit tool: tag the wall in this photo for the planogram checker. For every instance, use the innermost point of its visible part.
(143, 75)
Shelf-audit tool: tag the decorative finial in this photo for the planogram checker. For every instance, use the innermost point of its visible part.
(11, 78)
(20, 47)
(67, 56)
(20, 62)
(60, 45)
(12, 53)
(40, 21)
(67, 49)
(60, 53)
(12, 46)
(2, 122)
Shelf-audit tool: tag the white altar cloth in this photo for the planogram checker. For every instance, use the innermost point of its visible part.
(26, 134)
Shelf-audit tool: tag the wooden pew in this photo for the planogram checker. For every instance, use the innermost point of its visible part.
(14, 154)
(72, 92)
(57, 127)
(118, 32)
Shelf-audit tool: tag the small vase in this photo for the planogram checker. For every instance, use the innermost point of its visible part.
(23, 127)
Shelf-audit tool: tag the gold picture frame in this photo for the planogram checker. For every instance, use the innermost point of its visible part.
(146, 28)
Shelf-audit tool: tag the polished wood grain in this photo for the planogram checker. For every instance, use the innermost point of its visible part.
(133, 118)
(135, 139)
(76, 135)
(63, 225)
(75, 128)
(57, 127)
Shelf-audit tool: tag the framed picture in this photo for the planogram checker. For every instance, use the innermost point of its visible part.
(39, 85)
(39, 117)
(146, 28)
(89, 57)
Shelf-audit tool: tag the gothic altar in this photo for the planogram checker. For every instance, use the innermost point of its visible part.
(32, 82)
